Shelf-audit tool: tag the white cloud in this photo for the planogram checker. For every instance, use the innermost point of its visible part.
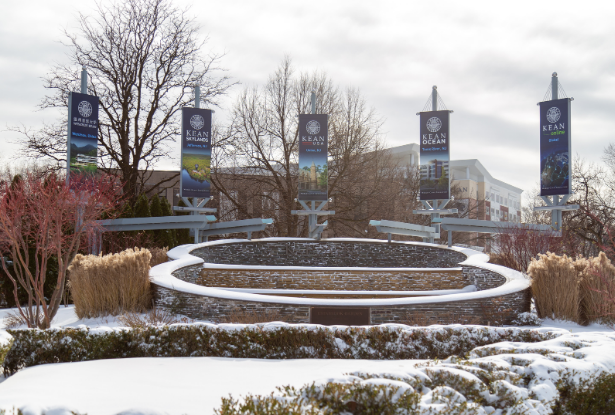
(491, 61)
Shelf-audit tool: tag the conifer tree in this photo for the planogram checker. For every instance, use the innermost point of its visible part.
(155, 207)
(160, 235)
(171, 234)
(142, 207)
(183, 235)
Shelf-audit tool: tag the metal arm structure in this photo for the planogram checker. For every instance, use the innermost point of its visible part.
(200, 224)
(195, 208)
(487, 226)
(435, 210)
(236, 226)
(408, 229)
(315, 229)
(146, 224)
(454, 224)
(556, 206)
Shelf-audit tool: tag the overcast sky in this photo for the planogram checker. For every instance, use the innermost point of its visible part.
(492, 62)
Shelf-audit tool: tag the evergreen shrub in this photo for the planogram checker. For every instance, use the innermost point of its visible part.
(588, 396)
(34, 347)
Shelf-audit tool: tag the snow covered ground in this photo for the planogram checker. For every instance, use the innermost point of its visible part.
(196, 385)
(166, 385)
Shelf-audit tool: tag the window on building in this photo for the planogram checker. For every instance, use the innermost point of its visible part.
(175, 196)
(228, 211)
(271, 204)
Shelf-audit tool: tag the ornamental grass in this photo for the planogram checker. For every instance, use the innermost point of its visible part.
(598, 289)
(581, 290)
(159, 256)
(113, 284)
(555, 286)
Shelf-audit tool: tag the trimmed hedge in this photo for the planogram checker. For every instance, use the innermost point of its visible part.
(435, 392)
(34, 347)
(4, 349)
(594, 396)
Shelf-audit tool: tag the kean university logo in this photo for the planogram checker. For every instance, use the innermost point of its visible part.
(553, 114)
(312, 127)
(434, 124)
(85, 109)
(197, 122)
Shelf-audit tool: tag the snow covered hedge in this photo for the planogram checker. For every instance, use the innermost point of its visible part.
(572, 374)
(428, 391)
(265, 341)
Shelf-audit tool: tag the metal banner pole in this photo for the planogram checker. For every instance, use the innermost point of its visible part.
(311, 210)
(435, 207)
(197, 104)
(313, 219)
(434, 203)
(84, 80)
(554, 203)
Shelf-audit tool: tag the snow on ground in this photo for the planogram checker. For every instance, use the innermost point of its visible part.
(196, 385)
(66, 317)
(167, 385)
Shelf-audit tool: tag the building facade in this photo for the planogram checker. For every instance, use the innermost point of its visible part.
(486, 197)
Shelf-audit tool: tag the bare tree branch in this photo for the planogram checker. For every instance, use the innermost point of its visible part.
(144, 59)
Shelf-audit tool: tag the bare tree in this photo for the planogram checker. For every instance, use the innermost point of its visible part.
(144, 59)
(256, 161)
(592, 191)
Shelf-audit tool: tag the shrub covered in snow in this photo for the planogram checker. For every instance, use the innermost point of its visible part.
(527, 319)
(6, 340)
(588, 396)
(273, 341)
(500, 379)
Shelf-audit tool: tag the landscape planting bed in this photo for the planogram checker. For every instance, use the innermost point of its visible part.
(404, 282)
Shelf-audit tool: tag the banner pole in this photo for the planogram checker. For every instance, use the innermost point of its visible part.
(312, 219)
(84, 80)
(313, 102)
(434, 203)
(554, 86)
(195, 200)
(555, 220)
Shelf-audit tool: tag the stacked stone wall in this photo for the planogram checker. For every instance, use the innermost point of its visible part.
(496, 310)
(330, 254)
(332, 280)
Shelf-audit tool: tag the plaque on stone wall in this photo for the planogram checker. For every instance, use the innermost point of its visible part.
(347, 316)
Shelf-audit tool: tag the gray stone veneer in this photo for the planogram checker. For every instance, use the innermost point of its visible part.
(496, 310)
(330, 254)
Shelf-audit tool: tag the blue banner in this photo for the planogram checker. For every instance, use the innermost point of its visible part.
(435, 155)
(555, 165)
(313, 153)
(195, 177)
(82, 133)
